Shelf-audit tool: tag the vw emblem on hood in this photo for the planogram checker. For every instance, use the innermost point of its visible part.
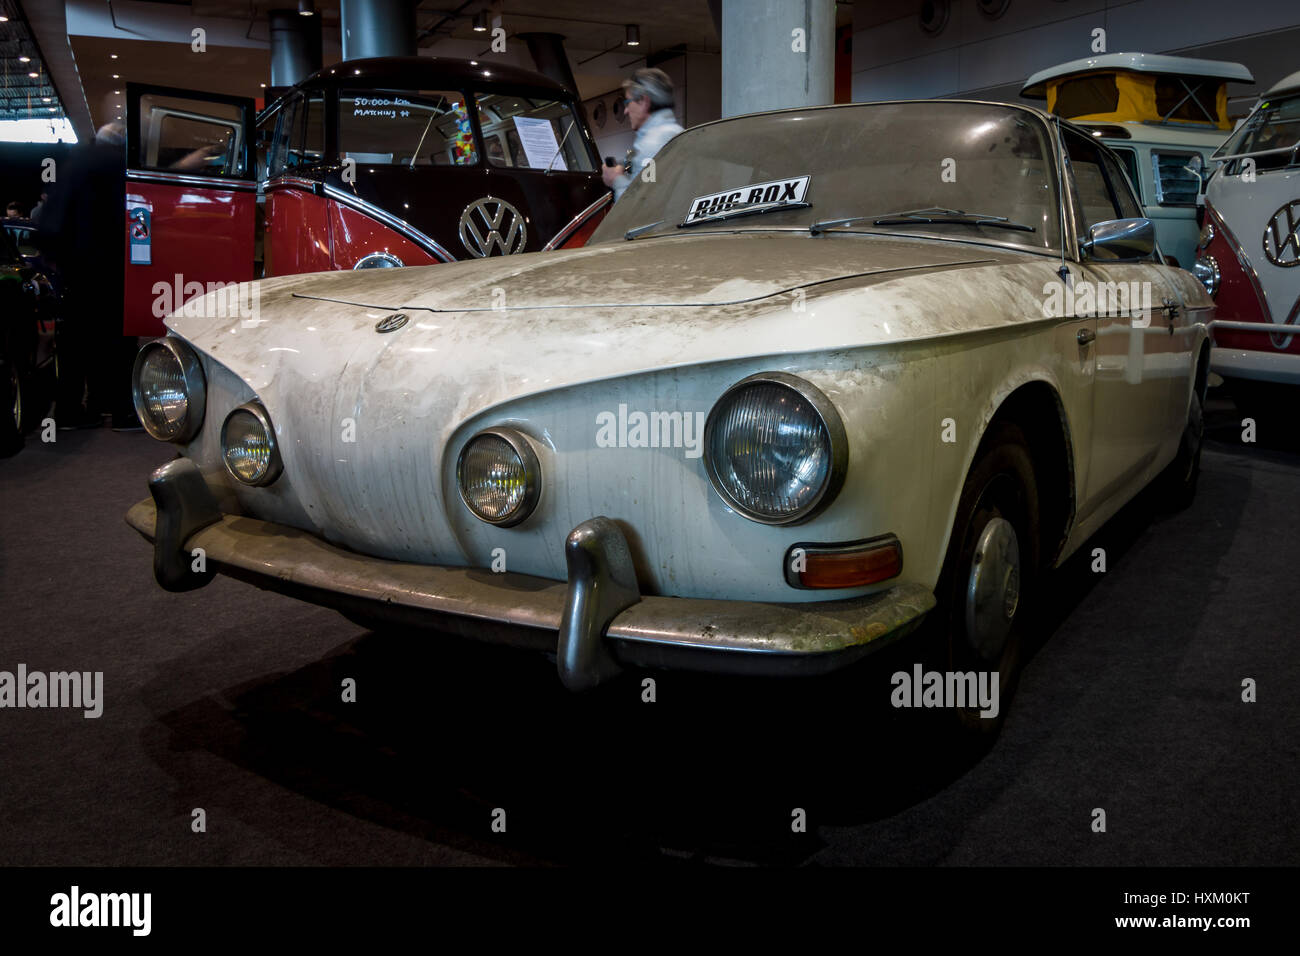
(491, 225)
(391, 323)
(1282, 236)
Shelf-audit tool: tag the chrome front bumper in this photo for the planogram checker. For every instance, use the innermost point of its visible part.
(596, 623)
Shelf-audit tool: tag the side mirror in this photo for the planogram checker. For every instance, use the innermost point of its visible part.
(1121, 239)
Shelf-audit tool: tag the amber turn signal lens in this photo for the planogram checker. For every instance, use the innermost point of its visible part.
(844, 565)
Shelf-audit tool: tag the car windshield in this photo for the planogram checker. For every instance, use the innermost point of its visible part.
(865, 162)
(1274, 126)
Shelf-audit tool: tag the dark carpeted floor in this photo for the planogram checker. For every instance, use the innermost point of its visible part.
(228, 699)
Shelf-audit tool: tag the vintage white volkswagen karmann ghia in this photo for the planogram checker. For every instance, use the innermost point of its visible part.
(820, 376)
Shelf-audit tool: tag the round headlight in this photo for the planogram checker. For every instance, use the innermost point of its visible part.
(499, 476)
(379, 260)
(1207, 235)
(248, 445)
(168, 390)
(775, 448)
(1206, 268)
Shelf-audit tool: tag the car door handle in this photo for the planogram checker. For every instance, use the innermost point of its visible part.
(1084, 336)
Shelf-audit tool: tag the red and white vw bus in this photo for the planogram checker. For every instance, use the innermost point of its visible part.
(375, 163)
(1248, 254)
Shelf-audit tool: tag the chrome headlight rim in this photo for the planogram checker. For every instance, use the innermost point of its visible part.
(275, 466)
(831, 423)
(1206, 270)
(372, 260)
(191, 377)
(523, 449)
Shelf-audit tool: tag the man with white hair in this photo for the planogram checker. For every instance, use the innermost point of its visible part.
(649, 110)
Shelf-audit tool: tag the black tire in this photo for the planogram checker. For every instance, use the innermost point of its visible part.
(11, 410)
(1177, 482)
(1001, 488)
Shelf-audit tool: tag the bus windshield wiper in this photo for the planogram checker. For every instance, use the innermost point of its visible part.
(735, 210)
(934, 214)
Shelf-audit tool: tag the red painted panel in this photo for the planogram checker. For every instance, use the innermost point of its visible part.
(583, 232)
(1239, 298)
(356, 234)
(297, 233)
(198, 233)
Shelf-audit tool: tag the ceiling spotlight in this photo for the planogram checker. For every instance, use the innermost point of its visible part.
(306, 8)
(480, 23)
(33, 75)
(54, 109)
(633, 35)
(263, 86)
(45, 99)
(3, 18)
(112, 56)
(117, 76)
(24, 59)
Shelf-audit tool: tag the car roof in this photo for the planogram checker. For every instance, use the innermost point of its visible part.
(1036, 86)
(1041, 114)
(430, 73)
(1285, 85)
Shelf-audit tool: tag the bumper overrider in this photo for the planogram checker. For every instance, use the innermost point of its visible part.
(596, 623)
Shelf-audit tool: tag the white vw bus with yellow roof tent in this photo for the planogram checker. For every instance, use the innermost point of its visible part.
(1162, 115)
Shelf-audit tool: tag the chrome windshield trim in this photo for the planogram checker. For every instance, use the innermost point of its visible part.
(577, 221)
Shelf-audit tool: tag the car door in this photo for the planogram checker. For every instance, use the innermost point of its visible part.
(190, 199)
(1130, 387)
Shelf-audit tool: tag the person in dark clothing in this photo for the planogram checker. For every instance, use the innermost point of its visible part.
(84, 226)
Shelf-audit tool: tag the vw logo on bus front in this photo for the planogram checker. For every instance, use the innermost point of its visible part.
(1282, 236)
(505, 232)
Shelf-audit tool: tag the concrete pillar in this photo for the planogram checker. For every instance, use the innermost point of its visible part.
(767, 64)
(295, 47)
(377, 28)
(547, 51)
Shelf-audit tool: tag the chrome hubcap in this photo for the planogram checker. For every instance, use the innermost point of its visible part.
(993, 589)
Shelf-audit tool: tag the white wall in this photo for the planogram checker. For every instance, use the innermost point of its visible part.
(976, 56)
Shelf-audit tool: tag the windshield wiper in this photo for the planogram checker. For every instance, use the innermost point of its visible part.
(642, 230)
(738, 209)
(935, 214)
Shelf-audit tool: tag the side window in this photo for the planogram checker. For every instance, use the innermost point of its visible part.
(1129, 207)
(263, 138)
(1177, 184)
(1093, 200)
(306, 146)
(1130, 160)
(280, 142)
(189, 135)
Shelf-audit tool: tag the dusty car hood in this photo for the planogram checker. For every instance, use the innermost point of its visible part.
(700, 270)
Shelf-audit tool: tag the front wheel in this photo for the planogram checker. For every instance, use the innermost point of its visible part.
(1178, 481)
(11, 411)
(990, 578)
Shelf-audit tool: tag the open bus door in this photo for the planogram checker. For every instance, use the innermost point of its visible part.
(191, 199)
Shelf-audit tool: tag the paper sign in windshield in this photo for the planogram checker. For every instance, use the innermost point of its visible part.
(538, 139)
(778, 190)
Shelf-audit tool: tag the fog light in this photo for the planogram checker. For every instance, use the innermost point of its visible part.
(248, 446)
(848, 565)
(499, 477)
